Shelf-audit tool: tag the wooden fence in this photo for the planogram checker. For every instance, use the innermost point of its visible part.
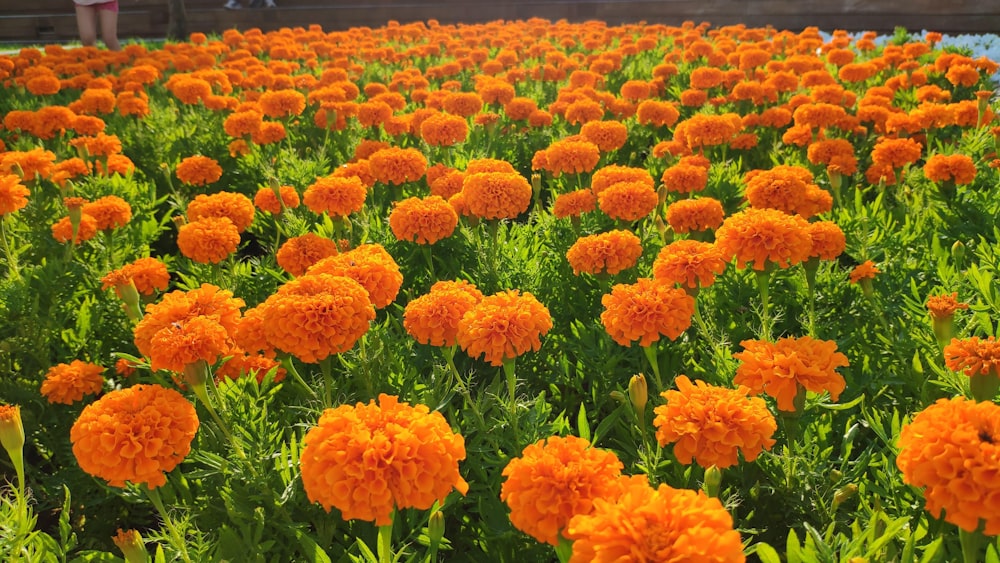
(42, 21)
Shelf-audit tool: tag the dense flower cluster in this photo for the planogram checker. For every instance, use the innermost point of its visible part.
(760, 237)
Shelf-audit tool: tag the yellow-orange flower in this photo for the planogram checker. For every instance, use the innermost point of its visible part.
(602, 253)
(136, 434)
(187, 342)
(657, 112)
(554, 480)
(424, 221)
(951, 451)
(958, 168)
(896, 153)
(627, 201)
(255, 365)
(782, 368)
(396, 166)
(444, 130)
(371, 266)
(335, 195)
(178, 307)
(496, 195)
(62, 230)
(709, 424)
(234, 206)
(828, 240)
(266, 200)
(208, 241)
(973, 356)
(13, 194)
(608, 176)
(572, 157)
(864, 271)
(504, 326)
(148, 275)
(110, 212)
(367, 460)
(663, 524)
(645, 311)
(297, 254)
(762, 237)
(944, 306)
(607, 135)
(36, 164)
(198, 170)
(574, 204)
(464, 104)
(433, 318)
(697, 214)
(685, 178)
(68, 383)
(282, 103)
(689, 263)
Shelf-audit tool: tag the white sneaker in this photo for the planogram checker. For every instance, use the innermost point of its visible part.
(233, 5)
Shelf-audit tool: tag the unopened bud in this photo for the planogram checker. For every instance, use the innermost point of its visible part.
(958, 252)
(131, 545)
(638, 393)
(11, 428)
(844, 493)
(435, 527)
(619, 396)
(713, 481)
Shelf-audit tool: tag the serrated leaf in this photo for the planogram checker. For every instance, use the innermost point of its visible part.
(582, 426)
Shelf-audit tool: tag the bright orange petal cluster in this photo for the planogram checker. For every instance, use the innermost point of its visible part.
(433, 318)
(646, 310)
(627, 201)
(298, 254)
(605, 253)
(266, 200)
(504, 326)
(944, 306)
(958, 168)
(234, 206)
(68, 383)
(973, 356)
(554, 480)
(951, 450)
(689, 263)
(367, 460)
(781, 368)
(336, 195)
(13, 194)
(371, 266)
(571, 157)
(136, 435)
(764, 236)
(828, 240)
(397, 166)
(709, 424)
(208, 241)
(198, 170)
(695, 214)
(496, 195)
(178, 307)
(424, 221)
(574, 204)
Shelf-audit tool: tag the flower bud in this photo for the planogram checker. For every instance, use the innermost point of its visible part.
(713, 481)
(11, 428)
(131, 545)
(435, 527)
(835, 476)
(638, 393)
(618, 396)
(844, 493)
(958, 252)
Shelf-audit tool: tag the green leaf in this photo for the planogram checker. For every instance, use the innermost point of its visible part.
(930, 552)
(313, 552)
(90, 555)
(793, 549)
(583, 427)
(765, 553)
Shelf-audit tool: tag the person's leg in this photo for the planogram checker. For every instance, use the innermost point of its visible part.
(109, 29)
(86, 22)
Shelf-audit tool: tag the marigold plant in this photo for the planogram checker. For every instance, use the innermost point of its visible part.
(424, 221)
(208, 241)
(785, 368)
(433, 318)
(198, 170)
(689, 263)
(371, 266)
(297, 254)
(234, 206)
(335, 196)
(503, 326)
(604, 253)
(760, 237)
(695, 215)
(645, 311)
(69, 383)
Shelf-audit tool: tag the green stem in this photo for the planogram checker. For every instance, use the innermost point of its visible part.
(426, 251)
(289, 366)
(11, 257)
(325, 367)
(384, 546)
(508, 370)
(154, 497)
(650, 352)
(810, 267)
(971, 545)
(564, 549)
(763, 278)
(201, 391)
(717, 347)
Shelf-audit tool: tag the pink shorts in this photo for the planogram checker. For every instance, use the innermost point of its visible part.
(111, 6)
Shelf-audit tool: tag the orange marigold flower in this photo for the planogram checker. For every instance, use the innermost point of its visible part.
(504, 326)
(266, 200)
(424, 221)
(269, 132)
(574, 204)
(496, 195)
(663, 524)
(444, 130)
(433, 318)
(685, 178)
(234, 206)
(463, 104)
(98, 145)
(828, 240)
(148, 275)
(519, 108)
(762, 237)
(646, 310)
(709, 424)
(316, 315)
(696, 214)
(958, 168)
(136, 434)
(448, 185)
(397, 166)
(782, 368)
(68, 383)
(627, 201)
(43, 85)
(944, 306)
(604, 253)
(787, 188)
(657, 113)
(607, 176)
(703, 130)
(198, 170)
(607, 135)
(243, 123)
(36, 164)
(689, 263)
(297, 254)
(282, 103)
(896, 152)
(62, 230)
(208, 240)
(13, 194)
(864, 271)
(335, 196)
(110, 212)
(358, 169)
(583, 110)
(950, 450)
(973, 356)
(962, 75)
(554, 480)
(368, 460)
(373, 113)
(572, 157)
(180, 306)
(187, 342)
(254, 365)
(371, 266)
(481, 165)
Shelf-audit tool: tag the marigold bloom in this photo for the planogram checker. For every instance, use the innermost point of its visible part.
(243, 123)
(254, 365)
(371, 266)
(646, 310)
(685, 178)
(689, 263)
(973, 356)
(605, 253)
(864, 271)
(663, 524)
(148, 275)
(950, 450)
(703, 130)
(463, 104)
(266, 200)
(62, 230)
(373, 113)
(958, 168)
(136, 434)
(187, 342)
(572, 157)
(583, 110)
(444, 130)
(503, 326)
(297, 254)
(628, 201)
(574, 204)
(657, 113)
(781, 368)
(98, 145)
(208, 241)
(496, 195)
(36, 164)
(43, 85)
(607, 135)
(424, 221)
(944, 306)
(788, 188)
(837, 154)
(448, 185)
(708, 424)
(13, 194)
(607, 176)
(397, 166)
(828, 240)
(554, 480)
(282, 103)
(697, 214)
(336, 196)
(433, 318)
(198, 170)
(110, 212)
(896, 153)
(68, 383)
(269, 132)
(316, 315)
(762, 237)
(367, 460)
(178, 307)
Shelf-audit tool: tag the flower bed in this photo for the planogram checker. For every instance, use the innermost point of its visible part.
(521, 290)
